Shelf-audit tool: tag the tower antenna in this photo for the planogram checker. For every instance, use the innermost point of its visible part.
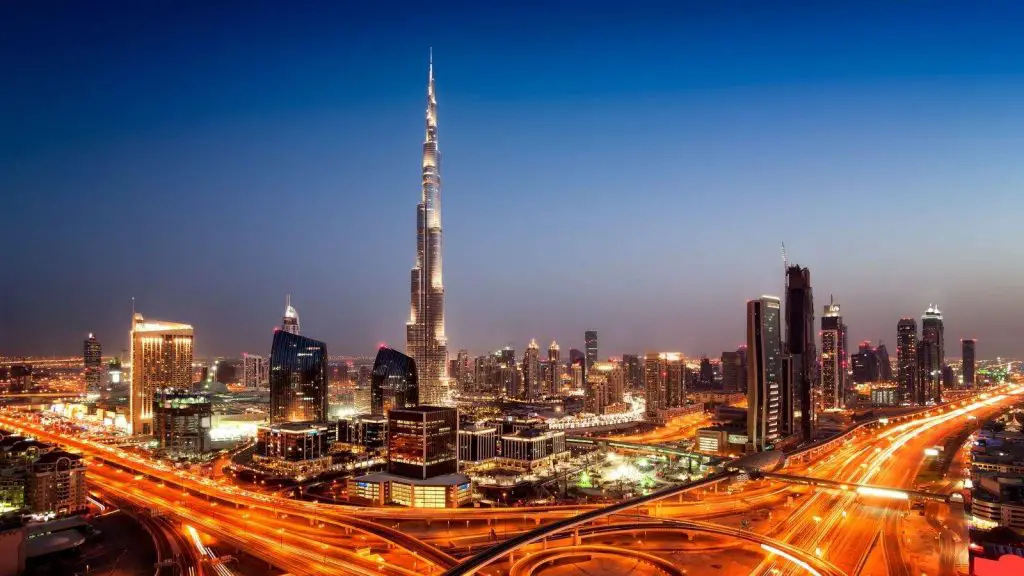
(785, 261)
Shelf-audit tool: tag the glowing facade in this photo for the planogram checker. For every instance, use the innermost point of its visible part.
(425, 338)
(833, 358)
(298, 379)
(764, 373)
(161, 358)
(290, 321)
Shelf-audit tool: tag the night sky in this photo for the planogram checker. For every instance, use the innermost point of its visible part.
(630, 167)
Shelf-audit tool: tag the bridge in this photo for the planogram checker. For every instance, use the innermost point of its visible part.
(694, 459)
(863, 489)
(474, 563)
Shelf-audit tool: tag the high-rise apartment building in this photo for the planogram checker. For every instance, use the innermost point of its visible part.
(734, 371)
(800, 346)
(633, 368)
(764, 367)
(394, 382)
(906, 361)
(255, 373)
(590, 346)
(161, 357)
(554, 370)
(865, 364)
(181, 423)
(532, 385)
(426, 341)
(92, 359)
(884, 366)
(833, 357)
(932, 338)
(664, 381)
(298, 379)
(290, 320)
(967, 347)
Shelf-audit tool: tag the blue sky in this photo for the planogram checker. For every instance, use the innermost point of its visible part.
(632, 170)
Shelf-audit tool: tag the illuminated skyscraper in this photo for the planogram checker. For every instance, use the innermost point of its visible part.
(906, 360)
(161, 357)
(298, 379)
(664, 381)
(290, 321)
(254, 371)
(532, 385)
(932, 359)
(800, 346)
(590, 346)
(633, 367)
(764, 367)
(554, 383)
(833, 357)
(394, 383)
(425, 337)
(967, 346)
(92, 358)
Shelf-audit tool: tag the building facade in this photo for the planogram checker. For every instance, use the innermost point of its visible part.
(425, 335)
(933, 357)
(906, 361)
(967, 352)
(532, 385)
(833, 358)
(181, 423)
(161, 357)
(800, 347)
(56, 485)
(764, 373)
(92, 359)
(394, 382)
(255, 373)
(590, 349)
(423, 441)
(298, 379)
(290, 320)
(554, 371)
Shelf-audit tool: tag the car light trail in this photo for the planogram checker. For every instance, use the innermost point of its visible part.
(791, 558)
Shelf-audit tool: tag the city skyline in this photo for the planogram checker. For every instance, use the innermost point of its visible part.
(670, 139)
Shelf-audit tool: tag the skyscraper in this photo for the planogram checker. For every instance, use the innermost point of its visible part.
(298, 379)
(833, 357)
(800, 345)
(290, 321)
(531, 372)
(764, 365)
(734, 371)
(92, 358)
(906, 360)
(554, 383)
(425, 338)
(664, 381)
(634, 371)
(254, 371)
(393, 383)
(161, 357)
(932, 335)
(884, 367)
(967, 346)
(590, 346)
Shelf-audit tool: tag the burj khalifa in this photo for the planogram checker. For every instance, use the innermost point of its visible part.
(425, 339)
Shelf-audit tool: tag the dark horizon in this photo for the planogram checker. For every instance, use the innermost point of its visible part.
(630, 173)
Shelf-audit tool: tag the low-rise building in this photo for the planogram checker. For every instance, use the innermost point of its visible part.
(532, 448)
(477, 444)
(181, 423)
(56, 485)
(295, 448)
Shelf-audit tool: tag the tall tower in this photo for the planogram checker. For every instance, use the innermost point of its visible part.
(554, 383)
(161, 358)
(290, 321)
(92, 359)
(590, 347)
(833, 357)
(906, 360)
(531, 372)
(932, 354)
(967, 346)
(425, 338)
(800, 345)
(764, 367)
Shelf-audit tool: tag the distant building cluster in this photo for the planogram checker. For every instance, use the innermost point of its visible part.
(994, 492)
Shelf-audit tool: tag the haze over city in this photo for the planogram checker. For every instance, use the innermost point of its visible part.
(633, 173)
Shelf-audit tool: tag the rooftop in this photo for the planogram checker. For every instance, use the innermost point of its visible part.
(298, 427)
